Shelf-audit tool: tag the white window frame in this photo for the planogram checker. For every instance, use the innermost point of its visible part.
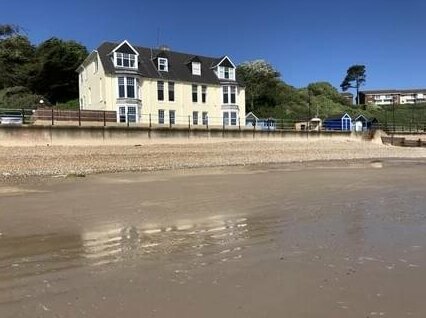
(194, 90)
(126, 113)
(228, 121)
(163, 85)
(135, 87)
(196, 68)
(122, 56)
(163, 62)
(163, 112)
(225, 69)
(172, 119)
(195, 118)
(229, 89)
(171, 87)
(204, 94)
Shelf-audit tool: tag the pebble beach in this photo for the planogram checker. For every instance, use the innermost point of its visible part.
(19, 162)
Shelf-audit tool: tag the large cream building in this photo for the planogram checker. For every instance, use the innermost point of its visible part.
(161, 86)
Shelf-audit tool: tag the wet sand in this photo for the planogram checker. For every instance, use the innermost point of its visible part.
(291, 240)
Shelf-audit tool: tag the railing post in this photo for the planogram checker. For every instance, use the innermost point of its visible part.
(79, 117)
(207, 122)
(189, 122)
(128, 122)
(150, 123)
(53, 121)
(239, 124)
(23, 116)
(104, 118)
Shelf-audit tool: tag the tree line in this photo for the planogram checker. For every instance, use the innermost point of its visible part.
(29, 72)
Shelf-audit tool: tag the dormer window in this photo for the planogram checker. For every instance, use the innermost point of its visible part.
(196, 68)
(163, 64)
(226, 73)
(125, 60)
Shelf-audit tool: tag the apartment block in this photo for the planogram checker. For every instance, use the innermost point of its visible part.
(161, 86)
(388, 97)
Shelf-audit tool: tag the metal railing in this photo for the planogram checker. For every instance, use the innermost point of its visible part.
(54, 117)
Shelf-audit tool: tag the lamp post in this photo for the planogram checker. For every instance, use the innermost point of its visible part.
(393, 117)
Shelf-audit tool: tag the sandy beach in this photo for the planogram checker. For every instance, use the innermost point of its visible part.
(330, 239)
(213, 229)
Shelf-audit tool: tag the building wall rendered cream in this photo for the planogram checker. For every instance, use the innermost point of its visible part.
(105, 98)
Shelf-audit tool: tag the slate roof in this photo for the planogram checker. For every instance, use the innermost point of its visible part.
(179, 67)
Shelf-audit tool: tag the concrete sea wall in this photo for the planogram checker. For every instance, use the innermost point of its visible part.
(72, 135)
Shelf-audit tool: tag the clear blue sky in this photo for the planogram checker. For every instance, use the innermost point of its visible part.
(306, 40)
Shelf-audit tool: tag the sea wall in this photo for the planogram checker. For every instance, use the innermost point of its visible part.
(72, 135)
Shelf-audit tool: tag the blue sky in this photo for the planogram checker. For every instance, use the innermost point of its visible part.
(306, 40)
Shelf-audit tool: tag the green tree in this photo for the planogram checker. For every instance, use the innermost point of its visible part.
(355, 78)
(7, 30)
(16, 58)
(54, 74)
(261, 81)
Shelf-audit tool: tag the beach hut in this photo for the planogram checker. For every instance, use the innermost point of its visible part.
(363, 123)
(341, 122)
(252, 121)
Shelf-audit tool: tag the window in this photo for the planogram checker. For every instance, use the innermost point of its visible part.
(127, 114)
(230, 118)
(161, 116)
(204, 93)
(127, 87)
(171, 91)
(229, 94)
(121, 88)
(122, 114)
(225, 94)
(130, 87)
(226, 119)
(195, 118)
(125, 60)
(196, 68)
(233, 118)
(131, 114)
(226, 72)
(205, 118)
(233, 94)
(163, 64)
(160, 91)
(194, 93)
(172, 117)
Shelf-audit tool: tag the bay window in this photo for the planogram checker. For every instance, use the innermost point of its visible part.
(229, 94)
(127, 87)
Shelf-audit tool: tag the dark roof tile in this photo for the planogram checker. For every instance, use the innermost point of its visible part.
(179, 70)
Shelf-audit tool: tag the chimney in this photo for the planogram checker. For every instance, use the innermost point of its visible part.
(164, 47)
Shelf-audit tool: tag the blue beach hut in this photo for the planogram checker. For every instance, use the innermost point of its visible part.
(341, 122)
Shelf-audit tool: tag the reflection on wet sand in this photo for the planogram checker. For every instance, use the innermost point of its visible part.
(213, 240)
(322, 243)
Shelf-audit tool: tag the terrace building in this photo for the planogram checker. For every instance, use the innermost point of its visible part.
(388, 97)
